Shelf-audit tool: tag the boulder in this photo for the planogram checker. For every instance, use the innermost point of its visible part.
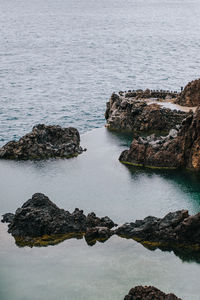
(180, 149)
(44, 142)
(40, 220)
(190, 96)
(148, 293)
(133, 113)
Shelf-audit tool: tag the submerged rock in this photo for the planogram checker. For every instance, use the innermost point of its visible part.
(131, 112)
(190, 96)
(39, 220)
(177, 230)
(179, 149)
(148, 293)
(44, 142)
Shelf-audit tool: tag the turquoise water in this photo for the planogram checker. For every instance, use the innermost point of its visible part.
(95, 181)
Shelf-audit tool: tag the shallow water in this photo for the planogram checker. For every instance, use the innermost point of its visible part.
(95, 181)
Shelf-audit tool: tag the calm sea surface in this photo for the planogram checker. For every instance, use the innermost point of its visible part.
(59, 63)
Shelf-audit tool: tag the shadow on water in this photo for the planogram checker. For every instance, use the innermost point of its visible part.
(187, 181)
(124, 138)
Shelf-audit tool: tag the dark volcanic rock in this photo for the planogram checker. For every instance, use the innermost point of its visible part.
(180, 149)
(190, 96)
(148, 293)
(44, 142)
(100, 234)
(8, 218)
(175, 230)
(39, 220)
(131, 113)
(93, 221)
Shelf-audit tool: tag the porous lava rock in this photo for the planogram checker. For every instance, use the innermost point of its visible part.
(44, 142)
(190, 96)
(130, 112)
(39, 219)
(148, 293)
(175, 230)
(180, 149)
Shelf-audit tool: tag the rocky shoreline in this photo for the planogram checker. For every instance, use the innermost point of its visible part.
(44, 142)
(176, 230)
(180, 149)
(175, 142)
(39, 222)
(147, 111)
(126, 113)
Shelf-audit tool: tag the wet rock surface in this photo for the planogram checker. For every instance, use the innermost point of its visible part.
(180, 149)
(176, 230)
(130, 112)
(44, 142)
(148, 293)
(39, 219)
(190, 96)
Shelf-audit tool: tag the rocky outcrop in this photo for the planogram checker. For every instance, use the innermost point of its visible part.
(131, 112)
(190, 96)
(39, 220)
(177, 230)
(180, 149)
(148, 293)
(44, 142)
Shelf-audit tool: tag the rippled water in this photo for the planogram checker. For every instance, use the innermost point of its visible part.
(59, 63)
(61, 60)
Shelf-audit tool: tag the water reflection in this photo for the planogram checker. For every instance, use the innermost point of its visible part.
(186, 253)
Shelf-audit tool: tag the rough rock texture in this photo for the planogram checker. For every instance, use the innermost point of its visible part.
(148, 293)
(44, 142)
(127, 112)
(176, 230)
(39, 217)
(190, 96)
(180, 149)
(100, 234)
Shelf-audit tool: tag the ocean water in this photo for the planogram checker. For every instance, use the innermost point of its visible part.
(59, 63)
(60, 60)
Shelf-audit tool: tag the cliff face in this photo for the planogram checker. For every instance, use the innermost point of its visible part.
(131, 112)
(190, 96)
(180, 149)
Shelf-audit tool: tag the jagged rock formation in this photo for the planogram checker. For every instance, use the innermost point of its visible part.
(180, 149)
(39, 220)
(175, 231)
(148, 293)
(130, 112)
(44, 142)
(190, 96)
